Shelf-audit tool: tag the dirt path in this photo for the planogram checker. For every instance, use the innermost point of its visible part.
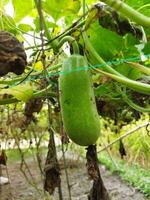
(19, 189)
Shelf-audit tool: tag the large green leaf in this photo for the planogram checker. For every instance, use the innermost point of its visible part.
(20, 92)
(60, 8)
(22, 8)
(107, 43)
(112, 46)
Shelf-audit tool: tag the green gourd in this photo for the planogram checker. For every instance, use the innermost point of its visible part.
(77, 102)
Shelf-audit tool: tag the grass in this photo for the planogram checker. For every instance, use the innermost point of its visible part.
(14, 154)
(133, 174)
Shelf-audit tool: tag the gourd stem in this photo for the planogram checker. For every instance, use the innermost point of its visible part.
(140, 67)
(72, 41)
(8, 101)
(43, 92)
(84, 7)
(128, 12)
(144, 6)
(127, 100)
(134, 105)
(135, 85)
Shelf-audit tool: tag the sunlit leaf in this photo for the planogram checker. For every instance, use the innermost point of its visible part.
(61, 8)
(22, 8)
(48, 24)
(106, 42)
(8, 24)
(20, 92)
(25, 27)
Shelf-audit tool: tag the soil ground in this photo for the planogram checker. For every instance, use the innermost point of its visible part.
(20, 189)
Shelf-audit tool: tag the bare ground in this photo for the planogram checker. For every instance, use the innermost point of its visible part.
(20, 189)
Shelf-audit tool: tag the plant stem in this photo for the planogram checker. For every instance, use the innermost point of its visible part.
(84, 7)
(133, 105)
(12, 80)
(72, 41)
(135, 85)
(66, 172)
(43, 23)
(144, 6)
(8, 101)
(140, 67)
(128, 12)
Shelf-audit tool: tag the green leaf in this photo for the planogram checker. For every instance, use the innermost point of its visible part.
(106, 89)
(146, 49)
(20, 92)
(25, 27)
(101, 90)
(90, 1)
(130, 40)
(60, 8)
(111, 46)
(22, 8)
(107, 43)
(8, 24)
(128, 71)
(48, 24)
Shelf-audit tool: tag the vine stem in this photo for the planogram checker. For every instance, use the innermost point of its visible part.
(109, 154)
(52, 170)
(70, 40)
(135, 85)
(140, 67)
(66, 172)
(62, 147)
(134, 105)
(144, 6)
(128, 12)
(84, 7)
(43, 24)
